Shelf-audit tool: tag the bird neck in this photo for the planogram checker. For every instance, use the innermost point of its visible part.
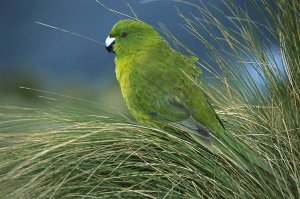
(123, 65)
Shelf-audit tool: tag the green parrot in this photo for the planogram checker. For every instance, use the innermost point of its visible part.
(160, 86)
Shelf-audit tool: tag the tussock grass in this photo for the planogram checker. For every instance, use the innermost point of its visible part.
(76, 150)
(58, 153)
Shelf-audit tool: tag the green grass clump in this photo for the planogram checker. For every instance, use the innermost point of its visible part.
(76, 150)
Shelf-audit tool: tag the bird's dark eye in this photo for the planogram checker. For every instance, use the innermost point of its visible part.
(124, 34)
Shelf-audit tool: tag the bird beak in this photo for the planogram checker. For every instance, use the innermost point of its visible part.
(109, 42)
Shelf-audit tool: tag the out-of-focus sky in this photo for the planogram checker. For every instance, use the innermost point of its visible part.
(36, 56)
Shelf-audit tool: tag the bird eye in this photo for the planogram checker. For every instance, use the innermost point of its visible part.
(124, 34)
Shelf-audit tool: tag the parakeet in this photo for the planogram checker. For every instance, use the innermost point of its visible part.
(161, 86)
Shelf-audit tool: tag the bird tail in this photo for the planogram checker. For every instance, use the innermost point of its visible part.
(242, 155)
(226, 144)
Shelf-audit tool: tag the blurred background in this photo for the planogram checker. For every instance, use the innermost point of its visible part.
(41, 58)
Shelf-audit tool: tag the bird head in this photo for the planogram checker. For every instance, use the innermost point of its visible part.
(129, 37)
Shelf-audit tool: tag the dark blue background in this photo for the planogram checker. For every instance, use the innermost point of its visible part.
(36, 56)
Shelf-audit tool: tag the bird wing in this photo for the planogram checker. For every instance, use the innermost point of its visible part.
(168, 81)
(174, 79)
(176, 112)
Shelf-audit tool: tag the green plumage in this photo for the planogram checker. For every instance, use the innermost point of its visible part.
(160, 86)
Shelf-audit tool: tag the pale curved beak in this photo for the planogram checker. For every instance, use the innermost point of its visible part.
(109, 42)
